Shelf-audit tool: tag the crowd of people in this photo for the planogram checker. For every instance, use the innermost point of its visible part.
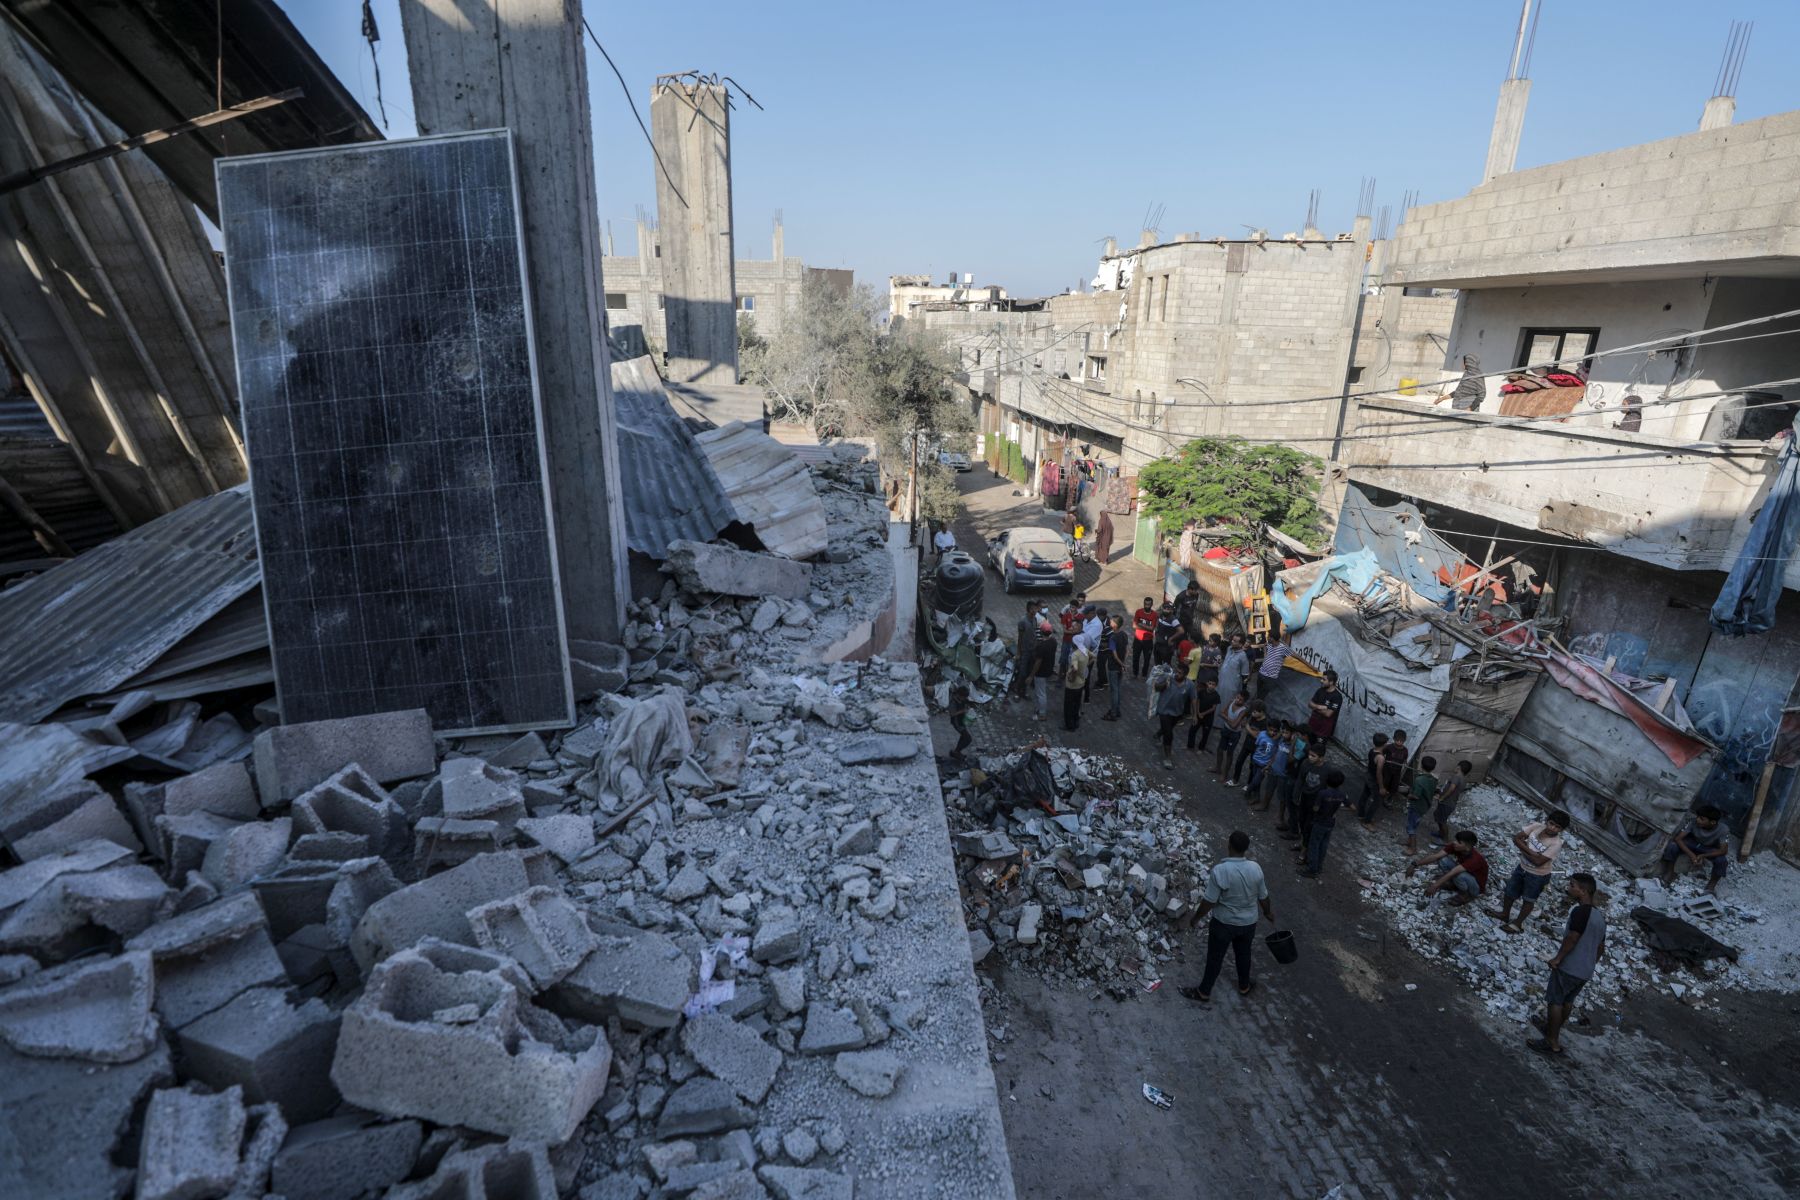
(1208, 695)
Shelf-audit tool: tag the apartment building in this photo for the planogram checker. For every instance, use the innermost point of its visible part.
(909, 295)
(1632, 499)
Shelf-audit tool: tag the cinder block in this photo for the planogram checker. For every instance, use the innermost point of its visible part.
(510, 1072)
(274, 1051)
(350, 801)
(96, 817)
(538, 929)
(206, 957)
(92, 1009)
(292, 759)
(436, 906)
(640, 977)
(223, 788)
(190, 1145)
(344, 1158)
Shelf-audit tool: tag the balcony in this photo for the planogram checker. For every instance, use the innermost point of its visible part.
(1680, 505)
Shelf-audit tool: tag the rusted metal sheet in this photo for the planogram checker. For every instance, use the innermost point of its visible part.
(96, 621)
(770, 488)
(671, 492)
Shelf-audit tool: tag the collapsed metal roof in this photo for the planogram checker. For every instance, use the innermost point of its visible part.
(92, 623)
(149, 64)
(670, 491)
(771, 489)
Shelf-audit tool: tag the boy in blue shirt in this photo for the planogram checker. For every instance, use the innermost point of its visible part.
(1275, 777)
(1264, 750)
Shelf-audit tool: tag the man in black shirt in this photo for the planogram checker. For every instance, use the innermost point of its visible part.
(1324, 819)
(1326, 703)
(1186, 604)
(1027, 643)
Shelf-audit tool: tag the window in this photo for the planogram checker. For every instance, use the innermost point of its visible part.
(1564, 347)
(977, 354)
(746, 303)
(615, 299)
(1096, 368)
(1162, 305)
(662, 302)
(1149, 298)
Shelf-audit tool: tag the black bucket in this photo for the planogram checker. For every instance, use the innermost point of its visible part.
(1281, 945)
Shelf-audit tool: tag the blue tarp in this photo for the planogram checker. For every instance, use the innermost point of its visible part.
(1753, 589)
(1367, 525)
(1357, 569)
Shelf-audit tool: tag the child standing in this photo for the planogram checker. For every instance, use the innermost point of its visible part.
(1237, 711)
(1309, 782)
(1424, 791)
(1374, 785)
(1275, 778)
(1261, 753)
(1324, 819)
(1206, 710)
(1454, 788)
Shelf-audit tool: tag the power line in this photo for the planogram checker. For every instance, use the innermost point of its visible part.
(629, 99)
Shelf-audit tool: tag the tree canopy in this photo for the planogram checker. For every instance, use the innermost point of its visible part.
(1228, 481)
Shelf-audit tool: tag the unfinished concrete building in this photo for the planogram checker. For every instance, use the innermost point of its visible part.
(690, 122)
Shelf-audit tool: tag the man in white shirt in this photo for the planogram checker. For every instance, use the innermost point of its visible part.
(943, 541)
(1235, 892)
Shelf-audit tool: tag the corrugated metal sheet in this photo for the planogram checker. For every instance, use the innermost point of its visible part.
(770, 488)
(719, 404)
(94, 622)
(671, 492)
(21, 417)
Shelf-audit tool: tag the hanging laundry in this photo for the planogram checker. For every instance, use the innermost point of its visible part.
(1753, 588)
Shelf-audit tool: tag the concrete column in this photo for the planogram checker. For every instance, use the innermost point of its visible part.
(1509, 123)
(780, 250)
(487, 64)
(1719, 112)
(691, 126)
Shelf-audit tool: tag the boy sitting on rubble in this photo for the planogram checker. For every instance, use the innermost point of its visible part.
(1704, 839)
(1467, 872)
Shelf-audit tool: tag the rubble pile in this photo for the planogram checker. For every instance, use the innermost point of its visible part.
(1074, 867)
(1510, 969)
(702, 944)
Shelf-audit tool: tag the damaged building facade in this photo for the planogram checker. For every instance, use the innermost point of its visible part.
(1628, 498)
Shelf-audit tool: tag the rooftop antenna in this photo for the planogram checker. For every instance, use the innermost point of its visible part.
(1722, 107)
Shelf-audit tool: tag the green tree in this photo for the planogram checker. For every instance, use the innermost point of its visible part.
(810, 365)
(1228, 481)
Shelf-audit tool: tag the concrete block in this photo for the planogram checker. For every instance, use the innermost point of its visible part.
(436, 906)
(702, 1105)
(725, 570)
(276, 1052)
(343, 1158)
(186, 839)
(515, 1071)
(294, 895)
(470, 789)
(829, 1030)
(361, 884)
(92, 1009)
(871, 1073)
(568, 836)
(878, 749)
(779, 936)
(267, 1130)
(515, 1170)
(640, 977)
(61, 918)
(597, 668)
(206, 957)
(519, 753)
(801, 1183)
(22, 883)
(733, 1053)
(96, 817)
(79, 1109)
(190, 1145)
(351, 801)
(447, 841)
(241, 854)
(329, 847)
(292, 759)
(538, 929)
(223, 788)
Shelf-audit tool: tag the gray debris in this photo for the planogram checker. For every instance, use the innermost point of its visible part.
(800, 1145)
(223, 788)
(640, 977)
(471, 790)
(96, 817)
(870, 1072)
(539, 929)
(732, 1052)
(191, 1144)
(344, 1157)
(290, 759)
(878, 749)
(779, 936)
(245, 852)
(724, 570)
(206, 957)
(566, 835)
(272, 1050)
(702, 1105)
(97, 1010)
(829, 1030)
(436, 906)
(793, 1183)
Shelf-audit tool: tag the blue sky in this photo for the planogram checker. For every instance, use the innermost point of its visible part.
(1007, 139)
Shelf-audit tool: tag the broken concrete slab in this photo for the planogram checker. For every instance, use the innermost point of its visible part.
(441, 841)
(640, 977)
(343, 1158)
(223, 788)
(186, 839)
(856, 839)
(92, 1009)
(82, 1109)
(470, 789)
(361, 883)
(878, 749)
(43, 772)
(292, 759)
(567, 835)
(329, 847)
(779, 936)
(271, 1049)
(22, 883)
(95, 817)
(706, 569)
(240, 855)
(871, 1073)
(829, 1030)
(515, 1071)
(206, 957)
(191, 1144)
(734, 1053)
(702, 1105)
(70, 913)
(267, 1130)
(436, 906)
(799, 1183)
(519, 753)
(351, 801)
(598, 667)
(539, 929)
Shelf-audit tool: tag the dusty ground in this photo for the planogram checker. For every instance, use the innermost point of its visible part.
(1333, 1072)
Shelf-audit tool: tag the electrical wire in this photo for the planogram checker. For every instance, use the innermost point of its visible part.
(629, 99)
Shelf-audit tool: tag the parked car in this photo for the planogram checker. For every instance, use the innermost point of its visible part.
(956, 460)
(1027, 557)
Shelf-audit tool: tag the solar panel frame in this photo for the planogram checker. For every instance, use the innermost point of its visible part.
(347, 494)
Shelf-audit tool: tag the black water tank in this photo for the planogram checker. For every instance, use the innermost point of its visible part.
(958, 583)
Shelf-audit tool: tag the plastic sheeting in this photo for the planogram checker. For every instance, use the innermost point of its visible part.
(1382, 692)
(1752, 590)
(1358, 569)
(1401, 543)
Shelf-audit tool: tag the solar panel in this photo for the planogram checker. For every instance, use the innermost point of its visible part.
(390, 407)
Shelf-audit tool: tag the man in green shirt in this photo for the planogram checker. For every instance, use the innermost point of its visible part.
(1424, 791)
